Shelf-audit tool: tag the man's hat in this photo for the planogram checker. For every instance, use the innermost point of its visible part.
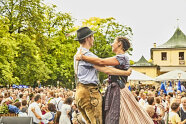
(83, 32)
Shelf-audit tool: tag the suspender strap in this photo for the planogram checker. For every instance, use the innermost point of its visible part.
(76, 68)
(76, 71)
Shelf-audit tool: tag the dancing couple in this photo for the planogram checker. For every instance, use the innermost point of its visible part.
(120, 106)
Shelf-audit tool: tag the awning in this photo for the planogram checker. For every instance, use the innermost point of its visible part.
(171, 68)
(138, 76)
(172, 75)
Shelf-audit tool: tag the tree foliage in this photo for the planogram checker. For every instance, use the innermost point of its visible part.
(37, 43)
(7, 53)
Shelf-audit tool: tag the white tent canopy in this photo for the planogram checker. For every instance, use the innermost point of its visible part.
(138, 76)
(172, 75)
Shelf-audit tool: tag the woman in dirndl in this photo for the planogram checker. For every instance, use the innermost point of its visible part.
(120, 106)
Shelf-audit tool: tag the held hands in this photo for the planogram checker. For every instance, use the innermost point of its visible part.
(129, 71)
(79, 55)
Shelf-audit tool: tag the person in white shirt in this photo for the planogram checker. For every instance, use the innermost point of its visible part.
(36, 106)
(183, 109)
(65, 110)
(183, 88)
(43, 99)
(59, 101)
(50, 109)
(52, 98)
(142, 101)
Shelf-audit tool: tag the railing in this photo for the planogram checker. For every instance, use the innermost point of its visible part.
(9, 115)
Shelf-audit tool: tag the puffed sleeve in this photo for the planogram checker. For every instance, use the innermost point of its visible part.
(123, 60)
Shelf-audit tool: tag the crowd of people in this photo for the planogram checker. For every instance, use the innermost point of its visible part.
(57, 105)
(86, 105)
(46, 105)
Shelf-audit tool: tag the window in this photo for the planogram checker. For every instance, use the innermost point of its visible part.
(164, 56)
(181, 55)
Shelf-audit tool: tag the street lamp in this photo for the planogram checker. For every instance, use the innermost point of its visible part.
(179, 75)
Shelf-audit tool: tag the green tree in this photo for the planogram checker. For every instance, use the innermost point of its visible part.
(25, 16)
(131, 62)
(60, 58)
(8, 48)
(40, 34)
(30, 67)
(57, 49)
(37, 43)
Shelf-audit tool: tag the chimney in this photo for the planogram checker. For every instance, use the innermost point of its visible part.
(154, 45)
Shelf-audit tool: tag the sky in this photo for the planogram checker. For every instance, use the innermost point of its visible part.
(152, 21)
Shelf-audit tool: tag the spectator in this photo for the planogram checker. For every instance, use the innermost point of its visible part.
(31, 98)
(43, 99)
(77, 116)
(20, 97)
(14, 108)
(52, 98)
(14, 97)
(142, 100)
(24, 107)
(57, 117)
(155, 117)
(150, 110)
(35, 106)
(50, 113)
(183, 109)
(183, 88)
(173, 115)
(66, 108)
(59, 101)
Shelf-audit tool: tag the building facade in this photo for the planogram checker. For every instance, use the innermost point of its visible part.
(167, 57)
(146, 67)
(172, 54)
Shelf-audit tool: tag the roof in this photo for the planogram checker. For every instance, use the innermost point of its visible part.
(142, 62)
(178, 40)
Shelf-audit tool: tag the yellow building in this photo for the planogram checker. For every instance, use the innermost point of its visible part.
(166, 57)
(146, 67)
(171, 55)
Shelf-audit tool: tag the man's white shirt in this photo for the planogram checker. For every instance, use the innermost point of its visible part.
(142, 102)
(38, 111)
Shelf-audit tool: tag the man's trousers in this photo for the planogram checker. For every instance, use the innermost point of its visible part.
(89, 102)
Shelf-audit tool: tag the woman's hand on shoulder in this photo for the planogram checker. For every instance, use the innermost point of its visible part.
(79, 55)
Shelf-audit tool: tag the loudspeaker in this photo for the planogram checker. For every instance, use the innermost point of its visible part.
(16, 120)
